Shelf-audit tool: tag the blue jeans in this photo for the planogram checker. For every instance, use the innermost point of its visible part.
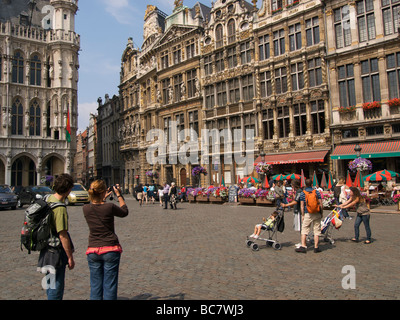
(357, 223)
(104, 270)
(58, 292)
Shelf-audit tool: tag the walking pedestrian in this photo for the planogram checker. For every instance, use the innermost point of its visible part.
(363, 213)
(311, 210)
(62, 255)
(104, 250)
(161, 195)
(166, 194)
(145, 191)
(139, 194)
(296, 204)
(172, 193)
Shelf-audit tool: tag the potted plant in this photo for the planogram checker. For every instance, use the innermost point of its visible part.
(360, 164)
(261, 196)
(395, 102)
(347, 109)
(246, 196)
(197, 171)
(371, 105)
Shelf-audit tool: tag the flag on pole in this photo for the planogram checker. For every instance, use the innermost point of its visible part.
(68, 133)
(222, 182)
(302, 180)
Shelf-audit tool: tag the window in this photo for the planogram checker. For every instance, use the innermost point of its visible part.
(296, 72)
(366, 20)
(167, 124)
(300, 119)
(18, 68)
(164, 60)
(249, 122)
(210, 97)
(165, 90)
(34, 118)
(314, 72)
(370, 80)
(48, 117)
(263, 47)
(231, 31)
(276, 4)
(17, 117)
(317, 117)
(245, 55)
(393, 72)
(347, 93)
(194, 123)
(280, 80)
(208, 65)
(232, 59)
(312, 31)
(342, 27)
(191, 83)
(148, 92)
(350, 133)
(219, 61)
(279, 42)
(247, 87)
(180, 126)
(221, 94)
(35, 73)
(178, 81)
(283, 122)
(390, 13)
(177, 54)
(219, 36)
(234, 91)
(190, 49)
(374, 131)
(295, 37)
(265, 84)
(235, 123)
(268, 124)
(1, 66)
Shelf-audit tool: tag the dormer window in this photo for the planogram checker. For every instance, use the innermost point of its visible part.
(219, 36)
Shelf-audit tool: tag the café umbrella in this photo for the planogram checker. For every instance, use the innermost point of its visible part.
(249, 180)
(292, 176)
(377, 176)
(278, 177)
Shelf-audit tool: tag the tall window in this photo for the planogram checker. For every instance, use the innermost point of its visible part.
(18, 68)
(295, 37)
(390, 13)
(342, 27)
(393, 72)
(48, 117)
(366, 20)
(249, 122)
(245, 54)
(347, 93)
(280, 80)
(219, 36)
(317, 116)
(191, 83)
(34, 118)
(178, 81)
(263, 47)
(247, 87)
(167, 123)
(208, 65)
(314, 72)
(164, 60)
(265, 84)
(221, 94)
(165, 90)
(234, 90)
(296, 72)
(276, 4)
(231, 31)
(312, 31)
(283, 122)
(194, 122)
(180, 126)
(17, 117)
(1, 66)
(190, 49)
(219, 61)
(279, 42)
(232, 59)
(300, 119)
(370, 80)
(210, 97)
(177, 54)
(268, 124)
(35, 73)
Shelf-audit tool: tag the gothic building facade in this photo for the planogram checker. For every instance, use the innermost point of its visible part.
(38, 89)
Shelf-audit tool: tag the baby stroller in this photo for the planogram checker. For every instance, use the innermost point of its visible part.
(332, 221)
(272, 239)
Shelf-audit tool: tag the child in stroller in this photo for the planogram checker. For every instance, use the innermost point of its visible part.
(267, 224)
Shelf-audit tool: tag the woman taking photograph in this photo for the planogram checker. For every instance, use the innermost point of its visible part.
(363, 213)
(104, 250)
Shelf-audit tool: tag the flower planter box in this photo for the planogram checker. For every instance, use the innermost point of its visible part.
(244, 200)
(216, 199)
(263, 201)
(201, 198)
(191, 198)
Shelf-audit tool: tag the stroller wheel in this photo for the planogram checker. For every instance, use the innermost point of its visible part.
(248, 243)
(276, 246)
(254, 247)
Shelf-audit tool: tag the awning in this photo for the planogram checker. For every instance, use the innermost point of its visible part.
(368, 150)
(299, 157)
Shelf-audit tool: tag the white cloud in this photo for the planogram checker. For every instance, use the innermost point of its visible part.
(84, 111)
(121, 10)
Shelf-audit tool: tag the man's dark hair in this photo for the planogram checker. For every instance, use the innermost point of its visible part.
(308, 182)
(63, 183)
(296, 184)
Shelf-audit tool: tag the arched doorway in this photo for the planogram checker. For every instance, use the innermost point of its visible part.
(51, 168)
(23, 172)
(183, 177)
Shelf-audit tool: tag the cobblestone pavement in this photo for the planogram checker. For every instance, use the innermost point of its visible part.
(199, 252)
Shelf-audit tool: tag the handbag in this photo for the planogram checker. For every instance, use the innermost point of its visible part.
(336, 222)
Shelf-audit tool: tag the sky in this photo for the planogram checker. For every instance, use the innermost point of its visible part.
(104, 27)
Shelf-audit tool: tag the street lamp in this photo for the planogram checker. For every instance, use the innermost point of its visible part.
(358, 149)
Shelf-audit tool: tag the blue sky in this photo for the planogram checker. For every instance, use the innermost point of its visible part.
(104, 27)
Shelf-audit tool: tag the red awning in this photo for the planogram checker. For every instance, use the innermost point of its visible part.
(382, 149)
(299, 157)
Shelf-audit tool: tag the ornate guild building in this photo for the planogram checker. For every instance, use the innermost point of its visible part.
(38, 89)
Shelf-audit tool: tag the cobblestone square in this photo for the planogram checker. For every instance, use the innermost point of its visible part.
(198, 252)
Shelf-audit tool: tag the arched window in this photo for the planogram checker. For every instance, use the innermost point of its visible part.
(1, 66)
(18, 68)
(17, 117)
(34, 118)
(35, 75)
(16, 173)
(231, 31)
(219, 36)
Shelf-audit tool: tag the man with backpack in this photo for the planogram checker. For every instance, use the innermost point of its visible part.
(55, 257)
(311, 210)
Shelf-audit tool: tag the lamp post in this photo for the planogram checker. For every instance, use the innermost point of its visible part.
(358, 149)
(262, 155)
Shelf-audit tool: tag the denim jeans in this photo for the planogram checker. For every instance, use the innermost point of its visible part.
(357, 223)
(104, 270)
(58, 292)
